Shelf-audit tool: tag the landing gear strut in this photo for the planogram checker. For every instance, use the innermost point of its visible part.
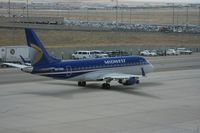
(81, 83)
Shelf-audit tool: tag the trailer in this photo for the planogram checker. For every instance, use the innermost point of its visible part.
(13, 53)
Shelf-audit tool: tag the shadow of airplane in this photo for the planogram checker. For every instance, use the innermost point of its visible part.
(90, 88)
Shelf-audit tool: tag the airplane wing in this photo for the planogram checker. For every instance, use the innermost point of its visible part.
(16, 65)
(117, 76)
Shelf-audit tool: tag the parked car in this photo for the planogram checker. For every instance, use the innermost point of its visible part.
(148, 53)
(153, 53)
(83, 54)
(160, 52)
(145, 53)
(183, 51)
(100, 54)
(171, 52)
(117, 53)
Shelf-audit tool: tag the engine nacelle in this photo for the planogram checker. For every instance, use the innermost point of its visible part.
(130, 81)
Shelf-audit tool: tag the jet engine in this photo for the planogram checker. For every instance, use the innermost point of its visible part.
(130, 81)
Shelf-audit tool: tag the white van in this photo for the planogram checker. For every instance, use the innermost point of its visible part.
(172, 52)
(83, 54)
(100, 54)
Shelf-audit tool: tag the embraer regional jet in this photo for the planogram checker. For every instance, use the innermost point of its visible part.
(126, 70)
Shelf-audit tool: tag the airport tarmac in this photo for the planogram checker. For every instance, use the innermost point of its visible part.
(167, 101)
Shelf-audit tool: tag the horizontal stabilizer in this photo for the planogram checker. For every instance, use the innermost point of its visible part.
(16, 65)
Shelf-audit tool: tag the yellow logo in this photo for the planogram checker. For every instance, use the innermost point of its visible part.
(38, 54)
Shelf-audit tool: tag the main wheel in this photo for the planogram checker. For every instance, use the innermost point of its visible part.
(106, 86)
(81, 83)
(137, 81)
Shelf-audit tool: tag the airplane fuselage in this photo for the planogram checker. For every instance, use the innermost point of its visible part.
(92, 69)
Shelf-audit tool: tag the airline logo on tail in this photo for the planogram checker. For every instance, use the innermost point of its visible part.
(38, 54)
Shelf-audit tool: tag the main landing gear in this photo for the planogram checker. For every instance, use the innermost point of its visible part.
(106, 86)
(137, 81)
(82, 83)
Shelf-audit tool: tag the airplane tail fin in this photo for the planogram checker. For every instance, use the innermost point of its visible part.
(39, 56)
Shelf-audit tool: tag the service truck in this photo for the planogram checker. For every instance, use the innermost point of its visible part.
(13, 53)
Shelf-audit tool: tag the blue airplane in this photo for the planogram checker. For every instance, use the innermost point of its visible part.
(126, 70)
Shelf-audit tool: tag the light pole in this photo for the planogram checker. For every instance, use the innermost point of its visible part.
(121, 15)
(87, 14)
(68, 13)
(27, 8)
(173, 13)
(130, 15)
(9, 8)
(177, 17)
(117, 4)
(199, 16)
(187, 15)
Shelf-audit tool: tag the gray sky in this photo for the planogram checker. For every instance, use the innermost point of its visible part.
(165, 1)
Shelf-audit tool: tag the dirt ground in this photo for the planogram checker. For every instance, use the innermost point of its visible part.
(61, 38)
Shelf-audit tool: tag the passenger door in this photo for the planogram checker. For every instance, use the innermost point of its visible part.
(68, 71)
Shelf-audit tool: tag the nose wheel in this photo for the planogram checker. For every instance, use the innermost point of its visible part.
(106, 86)
(137, 81)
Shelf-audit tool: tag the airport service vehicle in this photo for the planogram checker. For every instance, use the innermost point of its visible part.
(183, 51)
(83, 54)
(126, 70)
(171, 52)
(13, 53)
